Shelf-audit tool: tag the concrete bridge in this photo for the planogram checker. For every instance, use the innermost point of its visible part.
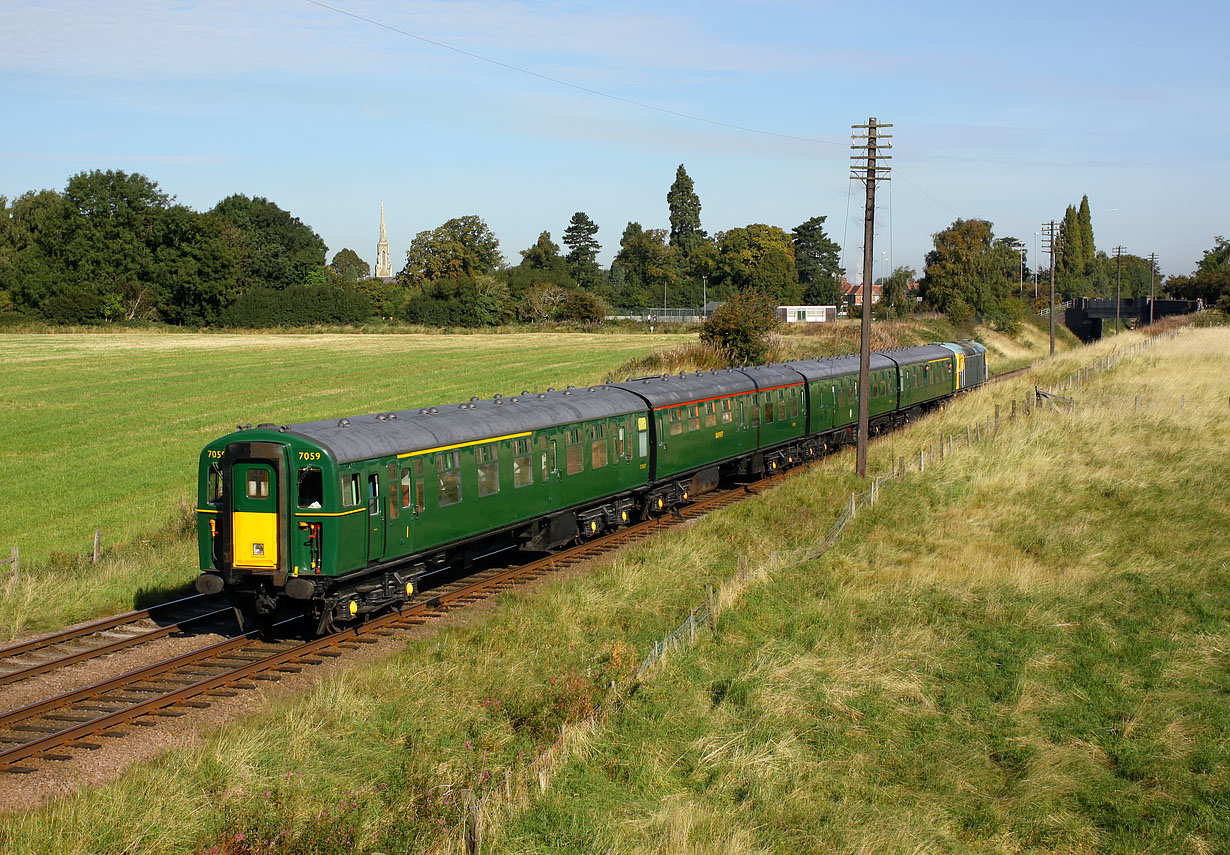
(1087, 314)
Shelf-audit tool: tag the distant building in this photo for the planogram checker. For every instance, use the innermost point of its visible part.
(806, 314)
(384, 267)
(852, 295)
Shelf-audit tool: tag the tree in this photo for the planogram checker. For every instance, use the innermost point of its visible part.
(349, 267)
(582, 308)
(1085, 221)
(543, 255)
(462, 246)
(1211, 279)
(647, 266)
(969, 273)
(817, 259)
(583, 249)
(758, 257)
(686, 234)
(740, 327)
(1072, 247)
(274, 248)
(895, 301)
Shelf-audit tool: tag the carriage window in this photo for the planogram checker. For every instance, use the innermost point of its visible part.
(781, 404)
(373, 495)
(215, 484)
(407, 488)
(753, 412)
(523, 468)
(576, 459)
(350, 490)
(676, 426)
(258, 484)
(768, 412)
(311, 487)
(693, 418)
(710, 413)
(726, 411)
(448, 472)
(488, 469)
(394, 505)
(598, 453)
(794, 402)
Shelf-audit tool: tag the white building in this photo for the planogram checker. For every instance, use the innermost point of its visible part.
(806, 314)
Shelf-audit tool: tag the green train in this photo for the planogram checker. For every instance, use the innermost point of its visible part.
(346, 516)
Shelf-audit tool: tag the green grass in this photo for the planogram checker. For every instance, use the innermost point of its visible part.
(1021, 650)
(103, 431)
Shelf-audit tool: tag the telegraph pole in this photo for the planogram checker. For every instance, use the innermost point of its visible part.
(1152, 267)
(866, 172)
(1050, 239)
(1118, 284)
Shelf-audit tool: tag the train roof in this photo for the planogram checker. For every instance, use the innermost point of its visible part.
(837, 366)
(429, 428)
(667, 390)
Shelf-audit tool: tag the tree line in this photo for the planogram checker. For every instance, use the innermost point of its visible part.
(115, 247)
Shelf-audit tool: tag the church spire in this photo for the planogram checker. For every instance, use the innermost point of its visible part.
(384, 268)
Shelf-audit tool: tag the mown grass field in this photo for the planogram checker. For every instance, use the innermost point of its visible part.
(1023, 649)
(104, 431)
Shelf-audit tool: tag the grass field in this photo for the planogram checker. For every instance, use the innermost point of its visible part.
(1023, 649)
(104, 431)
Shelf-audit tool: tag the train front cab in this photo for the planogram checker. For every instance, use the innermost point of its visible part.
(244, 521)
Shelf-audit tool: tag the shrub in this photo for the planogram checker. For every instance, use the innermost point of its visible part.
(740, 327)
(582, 307)
(296, 306)
(76, 306)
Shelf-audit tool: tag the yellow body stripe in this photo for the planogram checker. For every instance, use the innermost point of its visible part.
(464, 444)
(206, 510)
(338, 514)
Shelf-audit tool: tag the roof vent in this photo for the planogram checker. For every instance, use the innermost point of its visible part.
(423, 411)
(593, 388)
(474, 398)
(392, 416)
(284, 428)
(343, 422)
(570, 386)
(380, 417)
(567, 392)
(499, 402)
(463, 406)
(524, 392)
(550, 388)
(266, 426)
(434, 410)
(516, 400)
(541, 395)
(497, 396)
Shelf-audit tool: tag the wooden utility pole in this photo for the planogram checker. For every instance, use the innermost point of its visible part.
(1152, 267)
(1118, 284)
(1050, 237)
(864, 169)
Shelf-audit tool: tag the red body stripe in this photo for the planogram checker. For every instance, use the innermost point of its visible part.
(721, 397)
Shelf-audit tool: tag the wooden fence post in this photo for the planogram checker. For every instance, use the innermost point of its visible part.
(997, 418)
(97, 545)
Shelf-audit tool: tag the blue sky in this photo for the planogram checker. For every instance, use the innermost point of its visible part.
(1005, 112)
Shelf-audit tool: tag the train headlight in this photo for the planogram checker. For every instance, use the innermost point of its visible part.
(409, 589)
(354, 608)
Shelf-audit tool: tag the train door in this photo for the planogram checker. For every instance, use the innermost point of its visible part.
(254, 516)
(375, 518)
(961, 384)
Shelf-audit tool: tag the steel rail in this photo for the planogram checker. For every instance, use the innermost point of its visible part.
(90, 628)
(103, 650)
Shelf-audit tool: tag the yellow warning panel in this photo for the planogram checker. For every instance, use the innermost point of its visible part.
(254, 540)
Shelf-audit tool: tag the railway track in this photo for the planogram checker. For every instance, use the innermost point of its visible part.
(104, 637)
(56, 728)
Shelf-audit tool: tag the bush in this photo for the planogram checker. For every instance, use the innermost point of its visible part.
(296, 307)
(461, 302)
(76, 306)
(582, 307)
(740, 327)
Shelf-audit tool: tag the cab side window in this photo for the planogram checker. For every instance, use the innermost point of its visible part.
(311, 487)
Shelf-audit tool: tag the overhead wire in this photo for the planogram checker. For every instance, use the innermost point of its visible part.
(557, 81)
